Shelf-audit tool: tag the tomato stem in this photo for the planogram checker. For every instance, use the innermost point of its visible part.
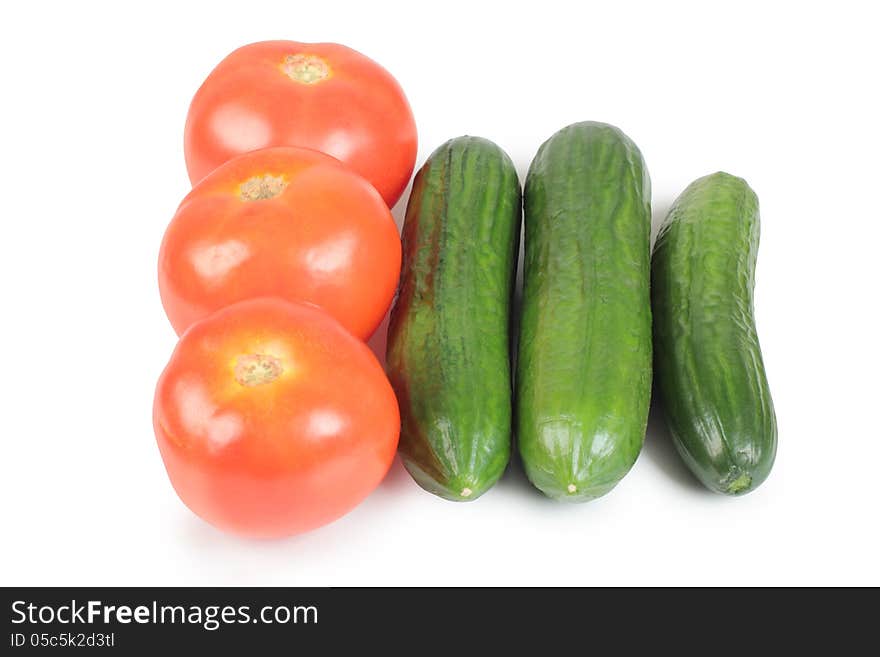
(260, 188)
(257, 369)
(305, 69)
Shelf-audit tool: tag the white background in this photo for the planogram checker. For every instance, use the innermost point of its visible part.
(93, 104)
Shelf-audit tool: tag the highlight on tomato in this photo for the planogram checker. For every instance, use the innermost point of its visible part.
(272, 420)
(287, 222)
(323, 96)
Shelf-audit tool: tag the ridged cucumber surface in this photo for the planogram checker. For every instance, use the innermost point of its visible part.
(584, 365)
(709, 368)
(448, 354)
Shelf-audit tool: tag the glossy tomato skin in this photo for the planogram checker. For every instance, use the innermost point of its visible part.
(286, 222)
(281, 454)
(323, 96)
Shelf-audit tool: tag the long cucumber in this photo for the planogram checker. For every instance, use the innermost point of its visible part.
(448, 347)
(583, 382)
(710, 371)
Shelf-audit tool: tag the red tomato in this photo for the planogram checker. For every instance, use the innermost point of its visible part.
(272, 420)
(318, 95)
(286, 222)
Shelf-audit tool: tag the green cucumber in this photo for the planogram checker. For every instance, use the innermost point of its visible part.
(584, 367)
(448, 354)
(710, 372)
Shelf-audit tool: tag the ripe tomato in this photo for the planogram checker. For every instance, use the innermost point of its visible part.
(272, 420)
(318, 95)
(286, 222)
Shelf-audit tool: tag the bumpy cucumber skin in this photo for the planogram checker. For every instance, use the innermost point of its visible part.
(584, 363)
(709, 369)
(448, 353)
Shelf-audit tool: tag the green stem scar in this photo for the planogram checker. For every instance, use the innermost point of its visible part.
(305, 69)
(257, 369)
(740, 484)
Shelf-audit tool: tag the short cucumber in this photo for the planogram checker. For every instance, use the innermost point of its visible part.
(708, 362)
(448, 342)
(584, 366)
